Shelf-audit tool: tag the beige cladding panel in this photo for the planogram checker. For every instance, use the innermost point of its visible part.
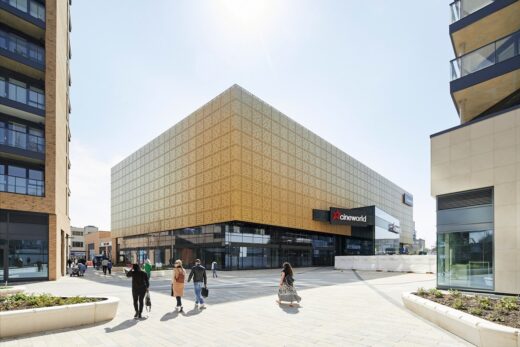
(237, 158)
(490, 151)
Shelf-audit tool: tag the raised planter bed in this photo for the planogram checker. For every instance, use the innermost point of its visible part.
(27, 321)
(478, 331)
(11, 290)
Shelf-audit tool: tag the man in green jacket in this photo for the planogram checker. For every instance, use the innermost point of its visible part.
(148, 268)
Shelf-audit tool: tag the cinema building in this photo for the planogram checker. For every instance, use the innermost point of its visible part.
(241, 183)
(475, 166)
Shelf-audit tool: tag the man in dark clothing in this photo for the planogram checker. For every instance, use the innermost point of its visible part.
(198, 273)
(140, 286)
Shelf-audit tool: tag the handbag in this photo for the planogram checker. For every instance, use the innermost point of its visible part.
(148, 302)
(204, 292)
(171, 289)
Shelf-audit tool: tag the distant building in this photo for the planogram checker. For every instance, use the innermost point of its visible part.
(98, 243)
(77, 240)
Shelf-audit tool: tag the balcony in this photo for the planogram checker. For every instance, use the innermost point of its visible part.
(462, 8)
(494, 53)
(22, 140)
(27, 16)
(20, 180)
(21, 100)
(21, 55)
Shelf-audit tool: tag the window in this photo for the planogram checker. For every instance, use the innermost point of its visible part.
(3, 179)
(77, 244)
(19, 4)
(3, 92)
(77, 233)
(17, 91)
(37, 10)
(18, 45)
(36, 98)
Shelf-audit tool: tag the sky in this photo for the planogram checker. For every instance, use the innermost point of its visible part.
(370, 77)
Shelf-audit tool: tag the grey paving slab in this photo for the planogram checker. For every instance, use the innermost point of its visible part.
(339, 308)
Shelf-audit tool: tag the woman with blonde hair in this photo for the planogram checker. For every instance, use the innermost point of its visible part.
(179, 275)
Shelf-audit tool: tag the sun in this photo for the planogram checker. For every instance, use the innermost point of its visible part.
(249, 13)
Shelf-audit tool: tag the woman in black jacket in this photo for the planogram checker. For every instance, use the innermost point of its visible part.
(140, 286)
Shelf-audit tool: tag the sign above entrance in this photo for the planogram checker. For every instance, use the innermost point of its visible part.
(363, 216)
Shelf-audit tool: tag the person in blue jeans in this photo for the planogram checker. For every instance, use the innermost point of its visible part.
(198, 273)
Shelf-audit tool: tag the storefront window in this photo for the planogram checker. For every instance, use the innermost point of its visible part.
(465, 259)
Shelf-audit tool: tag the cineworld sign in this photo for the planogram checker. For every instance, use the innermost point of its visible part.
(363, 216)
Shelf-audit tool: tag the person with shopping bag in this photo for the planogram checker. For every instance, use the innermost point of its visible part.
(140, 285)
(200, 281)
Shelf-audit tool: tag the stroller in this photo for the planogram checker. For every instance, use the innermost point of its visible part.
(74, 271)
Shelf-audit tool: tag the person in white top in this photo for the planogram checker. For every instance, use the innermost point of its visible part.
(104, 264)
(214, 269)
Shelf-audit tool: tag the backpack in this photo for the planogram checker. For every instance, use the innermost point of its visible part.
(289, 279)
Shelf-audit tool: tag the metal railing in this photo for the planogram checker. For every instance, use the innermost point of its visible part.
(18, 139)
(491, 54)
(462, 8)
(21, 94)
(20, 185)
(20, 46)
(33, 8)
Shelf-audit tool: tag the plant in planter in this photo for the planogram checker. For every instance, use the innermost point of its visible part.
(21, 301)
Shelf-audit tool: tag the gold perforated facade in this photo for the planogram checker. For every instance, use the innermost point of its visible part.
(239, 159)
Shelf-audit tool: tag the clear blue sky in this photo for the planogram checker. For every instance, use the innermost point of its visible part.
(371, 77)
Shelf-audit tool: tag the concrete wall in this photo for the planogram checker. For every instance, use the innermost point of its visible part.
(486, 154)
(238, 158)
(404, 263)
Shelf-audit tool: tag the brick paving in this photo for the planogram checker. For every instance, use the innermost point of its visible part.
(338, 308)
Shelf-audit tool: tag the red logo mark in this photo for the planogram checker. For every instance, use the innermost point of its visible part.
(336, 215)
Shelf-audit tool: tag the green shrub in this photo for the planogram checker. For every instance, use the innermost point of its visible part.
(436, 293)
(422, 292)
(484, 302)
(494, 317)
(475, 311)
(455, 293)
(458, 304)
(21, 301)
(508, 303)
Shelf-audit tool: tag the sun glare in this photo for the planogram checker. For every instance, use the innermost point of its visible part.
(250, 13)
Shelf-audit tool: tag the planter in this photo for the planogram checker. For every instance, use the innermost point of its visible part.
(12, 290)
(478, 331)
(22, 322)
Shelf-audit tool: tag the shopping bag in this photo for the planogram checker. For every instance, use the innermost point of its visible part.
(204, 292)
(148, 302)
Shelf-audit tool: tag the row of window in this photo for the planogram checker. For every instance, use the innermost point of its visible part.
(16, 179)
(22, 92)
(77, 244)
(18, 45)
(22, 136)
(33, 8)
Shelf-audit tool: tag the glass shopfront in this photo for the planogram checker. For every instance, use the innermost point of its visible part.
(465, 228)
(23, 246)
(233, 246)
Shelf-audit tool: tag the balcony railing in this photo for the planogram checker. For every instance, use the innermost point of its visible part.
(17, 92)
(21, 185)
(18, 139)
(21, 47)
(494, 53)
(33, 8)
(463, 8)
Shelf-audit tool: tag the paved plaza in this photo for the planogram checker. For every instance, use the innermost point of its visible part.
(338, 308)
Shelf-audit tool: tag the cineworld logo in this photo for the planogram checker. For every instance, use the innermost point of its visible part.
(336, 215)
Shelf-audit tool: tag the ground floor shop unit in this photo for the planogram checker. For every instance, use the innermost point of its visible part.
(240, 245)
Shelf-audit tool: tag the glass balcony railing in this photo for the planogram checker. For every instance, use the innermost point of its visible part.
(494, 53)
(19, 180)
(21, 47)
(20, 92)
(33, 8)
(18, 139)
(463, 8)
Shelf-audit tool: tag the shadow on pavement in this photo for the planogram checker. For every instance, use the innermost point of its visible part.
(195, 311)
(294, 309)
(170, 315)
(123, 325)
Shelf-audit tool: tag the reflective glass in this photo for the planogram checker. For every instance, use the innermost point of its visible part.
(465, 259)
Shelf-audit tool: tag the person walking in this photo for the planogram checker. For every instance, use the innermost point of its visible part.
(286, 291)
(140, 286)
(214, 269)
(178, 278)
(148, 268)
(109, 267)
(198, 273)
(104, 265)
